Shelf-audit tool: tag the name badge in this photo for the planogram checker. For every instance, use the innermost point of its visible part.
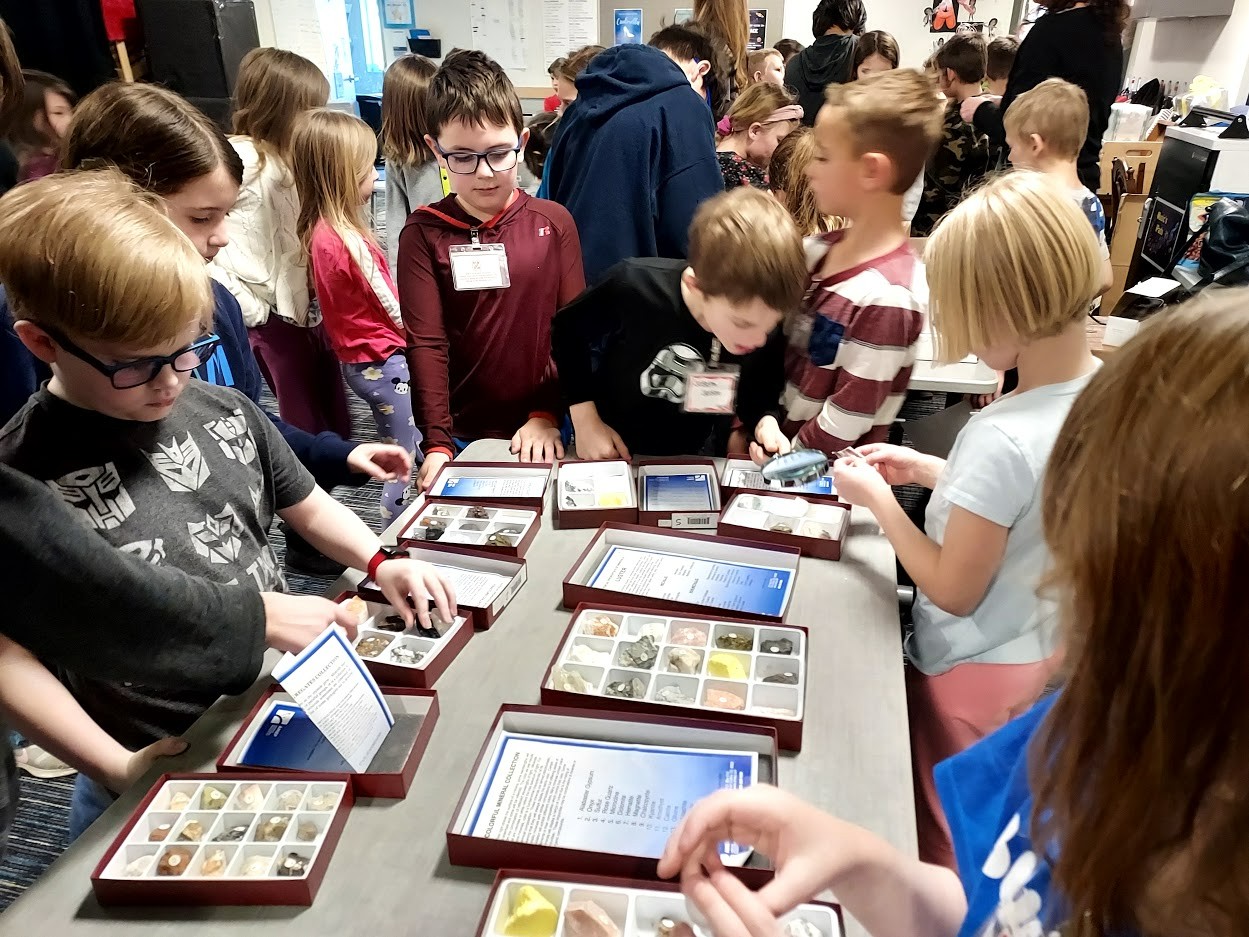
(479, 267)
(712, 391)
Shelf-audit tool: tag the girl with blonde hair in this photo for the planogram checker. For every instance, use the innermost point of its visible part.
(788, 183)
(413, 178)
(1117, 806)
(759, 119)
(263, 265)
(1011, 274)
(332, 161)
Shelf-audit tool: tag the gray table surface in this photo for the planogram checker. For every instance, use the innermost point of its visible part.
(389, 875)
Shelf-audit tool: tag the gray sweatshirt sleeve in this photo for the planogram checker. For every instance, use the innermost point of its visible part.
(407, 189)
(77, 602)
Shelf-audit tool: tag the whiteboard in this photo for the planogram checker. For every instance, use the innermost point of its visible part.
(297, 28)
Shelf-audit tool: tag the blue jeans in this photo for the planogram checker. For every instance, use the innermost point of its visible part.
(89, 801)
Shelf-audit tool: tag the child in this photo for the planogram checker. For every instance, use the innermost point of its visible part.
(965, 157)
(836, 24)
(788, 48)
(412, 175)
(1000, 60)
(876, 51)
(551, 101)
(1045, 131)
(39, 127)
(568, 73)
(758, 120)
(263, 265)
(480, 345)
(332, 161)
(789, 185)
(1109, 808)
(180, 472)
(766, 65)
(541, 129)
(627, 348)
(168, 147)
(852, 347)
(1012, 272)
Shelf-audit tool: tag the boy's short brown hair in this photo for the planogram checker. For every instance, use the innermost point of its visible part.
(896, 113)
(1000, 57)
(473, 88)
(744, 246)
(578, 61)
(92, 255)
(964, 55)
(1057, 112)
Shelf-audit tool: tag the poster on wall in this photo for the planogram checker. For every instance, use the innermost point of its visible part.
(758, 28)
(960, 16)
(626, 26)
(567, 25)
(683, 15)
(499, 30)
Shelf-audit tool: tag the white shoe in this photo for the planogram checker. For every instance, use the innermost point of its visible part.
(40, 764)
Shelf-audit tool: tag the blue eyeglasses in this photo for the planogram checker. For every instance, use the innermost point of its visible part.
(144, 370)
(464, 164)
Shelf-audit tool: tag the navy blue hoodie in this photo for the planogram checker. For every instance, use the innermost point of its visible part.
(633, 157)
(231, 365)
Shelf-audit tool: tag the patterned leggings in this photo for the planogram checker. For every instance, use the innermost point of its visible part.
(384, 387)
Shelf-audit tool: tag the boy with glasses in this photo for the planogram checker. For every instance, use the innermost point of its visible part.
(480, 276)
(181, 473)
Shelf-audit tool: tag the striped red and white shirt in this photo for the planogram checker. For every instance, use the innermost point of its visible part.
(862, 325)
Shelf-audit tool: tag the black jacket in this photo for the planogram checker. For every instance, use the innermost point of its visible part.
(825, 62)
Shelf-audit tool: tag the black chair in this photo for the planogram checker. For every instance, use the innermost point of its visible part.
(370, 108)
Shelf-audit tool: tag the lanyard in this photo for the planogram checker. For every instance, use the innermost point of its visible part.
(465, 226)
(715, 353)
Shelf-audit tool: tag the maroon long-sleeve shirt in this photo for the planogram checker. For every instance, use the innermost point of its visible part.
(481, 359)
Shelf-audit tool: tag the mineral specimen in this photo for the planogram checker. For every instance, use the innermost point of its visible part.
(293, 865)
(214, 863)
(307, 831)
(569, 681)
(478, 514)
(654, 630)
(790, 679)
(601, 626)
(626, 689)
(814, 530)
(586, 919)
(774, 711)
(728, 666)
(402, 654)
(174, 861)
(777, 646)
(373, 645)
(684, 660)
(290, 800)
(357, 606)
(391, 623)
(213, 798)
(532, 915)
(801, 929)
(674, 695)
(736, 641)
(272, 829)
(233, 835)
(158, 833)
(191, 832)
(722, 699)
(255, 866)
(690, 637)
(781, 529)
(640, 654)
(138, 867)
(250, 797)
(582, 654)
(323, 801)
(179, 801)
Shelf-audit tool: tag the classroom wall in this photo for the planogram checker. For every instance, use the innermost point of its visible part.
(1181, 49)
(904, 19)
(659, 13)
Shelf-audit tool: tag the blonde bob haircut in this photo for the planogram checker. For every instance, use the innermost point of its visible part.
(744, 246)
(333, 152)
(1015, 262)
(92, 255)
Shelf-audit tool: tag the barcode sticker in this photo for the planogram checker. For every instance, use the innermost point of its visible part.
(685, 521)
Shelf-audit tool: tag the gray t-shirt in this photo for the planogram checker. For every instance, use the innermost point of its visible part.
(196, 490)
(995, 471)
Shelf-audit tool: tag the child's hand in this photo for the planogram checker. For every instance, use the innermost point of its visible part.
(800, 839)
(899, 465)
(538, 441)
(131, 767)
(971, 105)
(859, 483)
(292, 622)
(380, 461)
(410, 584)
(429, 468)
(596, 440)
(769, 441)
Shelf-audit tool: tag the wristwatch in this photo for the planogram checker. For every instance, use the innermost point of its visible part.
(383, 554)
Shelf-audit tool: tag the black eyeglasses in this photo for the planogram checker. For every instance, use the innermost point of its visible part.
(144, 370)
(464, 164)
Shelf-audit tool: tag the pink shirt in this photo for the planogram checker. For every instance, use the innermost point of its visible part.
(357, 296)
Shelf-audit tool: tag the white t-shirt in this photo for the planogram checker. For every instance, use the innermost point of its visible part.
(995, 471)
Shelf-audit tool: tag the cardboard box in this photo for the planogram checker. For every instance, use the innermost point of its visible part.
(635, 907)
(139, 842)
(578, 588)
(1139, 157)
(582, 648)
(515, 483)
(816, 528)
(464, 848)
(1123, 247)
(462, 523)
(456, 562)
(740, 475)
(393, 767)
(699, 519)
(381, 624)
(589, 493)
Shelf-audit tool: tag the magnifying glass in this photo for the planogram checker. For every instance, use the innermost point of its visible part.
(795, 468)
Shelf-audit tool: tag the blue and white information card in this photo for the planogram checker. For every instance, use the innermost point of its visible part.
(601, 796)
(466, 486)
(739, 587)
(676, 492)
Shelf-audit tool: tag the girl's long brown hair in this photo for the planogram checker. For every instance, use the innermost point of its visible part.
(728, 21)
(274, 88)
(12, 81)
(1140, 769)
(787, 173)
(403, 111)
